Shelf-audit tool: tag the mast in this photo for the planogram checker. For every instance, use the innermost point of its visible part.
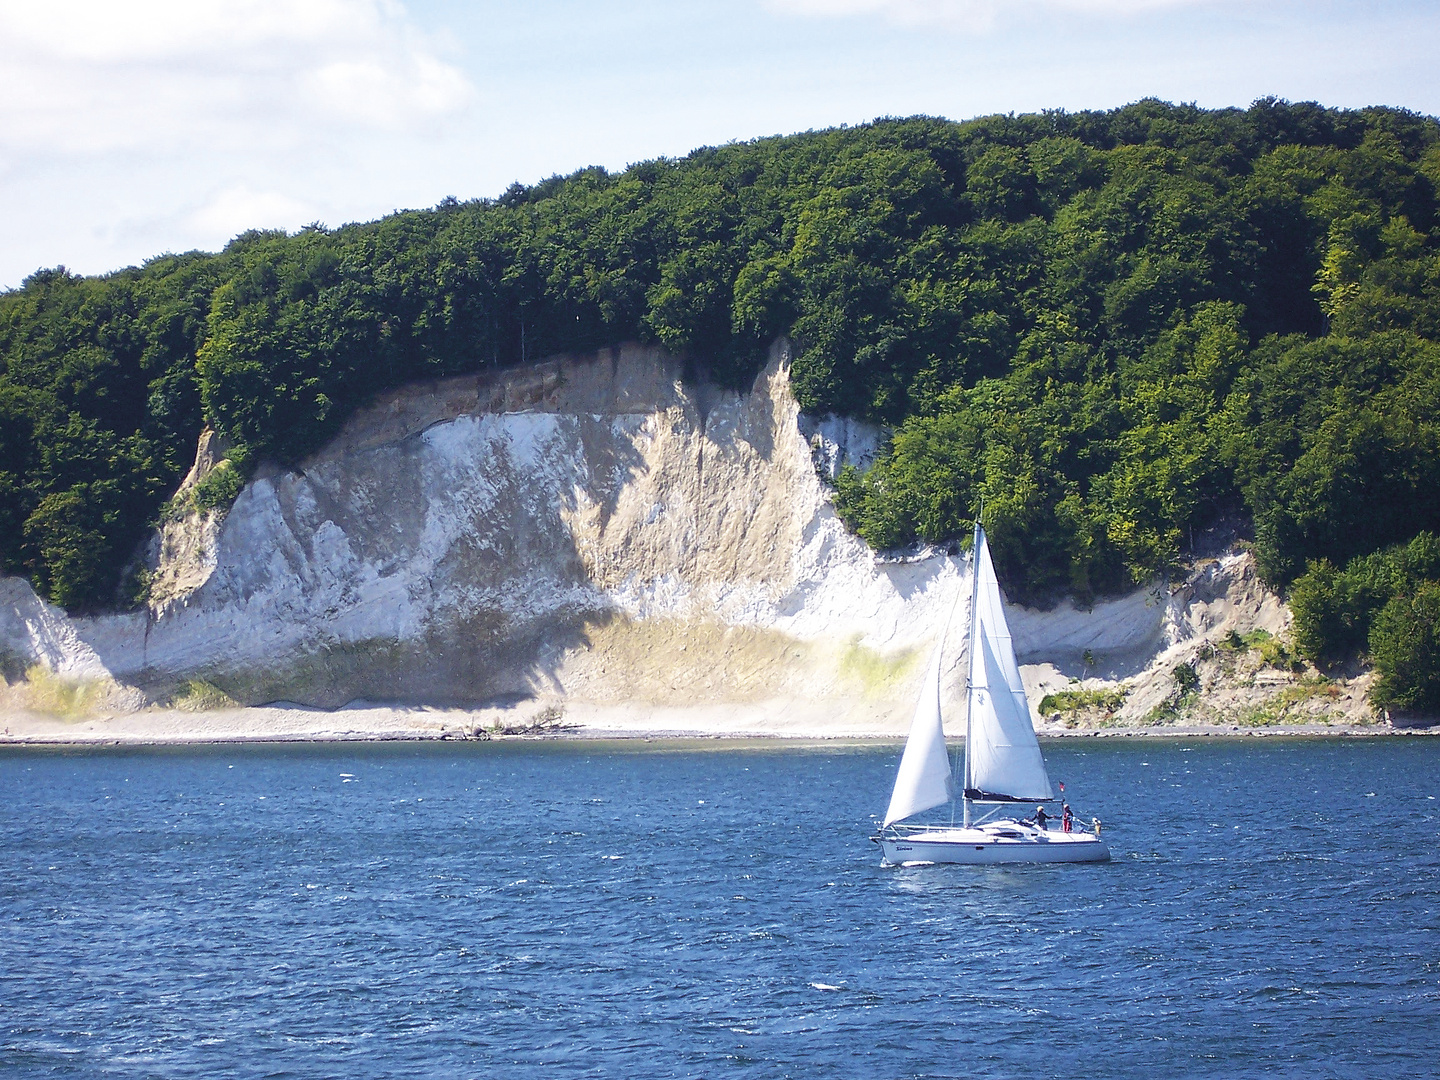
(970, 671)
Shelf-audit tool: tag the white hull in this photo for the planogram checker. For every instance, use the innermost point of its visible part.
(993, 842)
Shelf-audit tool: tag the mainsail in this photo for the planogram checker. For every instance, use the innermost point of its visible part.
(1002, 757)
(923, 779)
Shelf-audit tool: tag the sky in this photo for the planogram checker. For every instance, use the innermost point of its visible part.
(131, 128)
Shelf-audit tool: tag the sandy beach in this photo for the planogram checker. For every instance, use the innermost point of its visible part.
(366, 722)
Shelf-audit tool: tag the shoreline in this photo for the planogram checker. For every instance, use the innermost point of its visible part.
(366, 723)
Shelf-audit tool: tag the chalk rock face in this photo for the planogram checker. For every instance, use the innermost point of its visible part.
(33, 632)
(597, 528)
(593, 526)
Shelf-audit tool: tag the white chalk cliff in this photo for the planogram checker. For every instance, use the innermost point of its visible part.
(590, 529)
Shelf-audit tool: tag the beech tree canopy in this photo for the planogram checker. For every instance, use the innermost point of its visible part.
(1111, 327)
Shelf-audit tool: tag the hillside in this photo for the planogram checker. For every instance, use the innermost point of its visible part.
(1113, 328)
(600, 539)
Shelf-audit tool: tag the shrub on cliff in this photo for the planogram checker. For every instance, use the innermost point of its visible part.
(1405, 644)
(1336, 610)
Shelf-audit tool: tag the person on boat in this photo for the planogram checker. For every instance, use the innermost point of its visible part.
(1067, 819)
(1041, 817)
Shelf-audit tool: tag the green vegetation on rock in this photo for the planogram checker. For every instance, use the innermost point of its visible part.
(876, 672)
(64, 697)
(198, 695)
(1289, 705)
(1384, 605)
(1069, 701)
(220, 487)
(1274, 652)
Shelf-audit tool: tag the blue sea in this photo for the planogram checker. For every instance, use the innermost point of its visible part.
(710, 909)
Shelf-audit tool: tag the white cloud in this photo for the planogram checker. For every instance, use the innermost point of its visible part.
(240, 207)
(84, 76)
(100, 31)
(974, 15)
(371, 92)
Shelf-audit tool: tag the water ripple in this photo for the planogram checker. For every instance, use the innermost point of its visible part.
(612, 910)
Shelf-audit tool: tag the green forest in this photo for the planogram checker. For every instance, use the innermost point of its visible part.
(1113, 328)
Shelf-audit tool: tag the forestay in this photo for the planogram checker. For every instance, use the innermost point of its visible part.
(1003, 759)
(923, 780)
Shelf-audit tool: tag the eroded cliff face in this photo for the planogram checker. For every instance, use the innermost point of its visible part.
(595, 529)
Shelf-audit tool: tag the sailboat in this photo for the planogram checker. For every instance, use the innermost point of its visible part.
(1002, 766)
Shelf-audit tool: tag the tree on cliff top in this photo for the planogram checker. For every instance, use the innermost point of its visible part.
(1112, 326)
